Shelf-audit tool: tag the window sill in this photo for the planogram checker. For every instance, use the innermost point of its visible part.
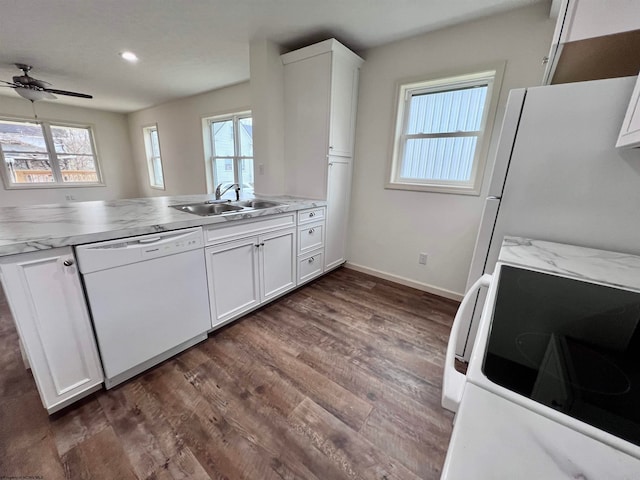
(35, 186)
(433, 188)
(156, 187)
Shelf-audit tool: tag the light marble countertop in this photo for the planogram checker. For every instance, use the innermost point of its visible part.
(40, 227)
(599, 266)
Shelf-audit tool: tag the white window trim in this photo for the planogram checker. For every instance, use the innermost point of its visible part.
(446, 81)
(55, 167)
(207, 121)
(148, 151)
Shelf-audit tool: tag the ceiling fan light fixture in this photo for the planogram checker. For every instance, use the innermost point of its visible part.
(129, 56)
(30, 94)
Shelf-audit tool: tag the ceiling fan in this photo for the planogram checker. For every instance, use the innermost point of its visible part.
(34, 89)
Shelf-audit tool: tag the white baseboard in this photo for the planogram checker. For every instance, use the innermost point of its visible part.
(406, 281)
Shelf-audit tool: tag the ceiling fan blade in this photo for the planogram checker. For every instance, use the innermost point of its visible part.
(64, 92)
(10, 84)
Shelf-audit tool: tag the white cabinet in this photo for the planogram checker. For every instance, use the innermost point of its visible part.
(311, 243)
(594, 39)
(630, 131)
(244, 273)
(310, 266)
(232, 273)
(277, 254)
(338, 195)
(47, 302)
(310, 237)
(345, 72)
(321, 91)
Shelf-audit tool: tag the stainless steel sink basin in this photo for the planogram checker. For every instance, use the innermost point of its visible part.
(206, 209)
(259, 204)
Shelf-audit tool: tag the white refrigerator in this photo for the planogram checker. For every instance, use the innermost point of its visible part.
(559, 177)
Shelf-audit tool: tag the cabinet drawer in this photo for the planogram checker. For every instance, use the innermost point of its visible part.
(214, 234)
(310, 215)
(310, 237)
(310, 266)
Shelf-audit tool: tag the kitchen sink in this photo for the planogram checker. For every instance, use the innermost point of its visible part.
(218, 207)
(259, 204)
(206, 209)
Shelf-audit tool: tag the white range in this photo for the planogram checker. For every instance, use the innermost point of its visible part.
(553, 384)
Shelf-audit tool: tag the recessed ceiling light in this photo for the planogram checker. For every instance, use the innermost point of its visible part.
(129, 56)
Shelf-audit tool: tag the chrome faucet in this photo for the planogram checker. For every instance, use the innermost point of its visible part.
(220, 193)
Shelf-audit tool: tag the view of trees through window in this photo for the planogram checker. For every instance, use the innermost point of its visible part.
(36, 153)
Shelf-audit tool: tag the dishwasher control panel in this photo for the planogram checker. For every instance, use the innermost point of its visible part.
(114, 253)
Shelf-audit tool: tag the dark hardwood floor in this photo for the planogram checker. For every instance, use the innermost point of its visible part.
(338, 380)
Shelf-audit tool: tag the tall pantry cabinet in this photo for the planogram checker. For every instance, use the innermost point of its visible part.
(320, 95)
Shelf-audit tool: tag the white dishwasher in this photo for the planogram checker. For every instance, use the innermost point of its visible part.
(148, 298)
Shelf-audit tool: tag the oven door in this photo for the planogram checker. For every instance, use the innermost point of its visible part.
(564, 348)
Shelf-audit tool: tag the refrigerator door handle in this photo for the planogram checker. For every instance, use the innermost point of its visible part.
(453, 381)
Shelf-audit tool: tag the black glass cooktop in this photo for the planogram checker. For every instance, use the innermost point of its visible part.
(571, 345)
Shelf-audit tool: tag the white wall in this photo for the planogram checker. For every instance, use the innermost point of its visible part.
(112, 142)
(181, 139)
(388, 228)
(267, 75)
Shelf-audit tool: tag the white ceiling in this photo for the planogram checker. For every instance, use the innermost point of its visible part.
(192, 46)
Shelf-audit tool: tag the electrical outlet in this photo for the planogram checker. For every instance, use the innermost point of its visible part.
(422, 259)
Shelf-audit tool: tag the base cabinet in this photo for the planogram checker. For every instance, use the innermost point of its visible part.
(47, 302)
(277, 263)
(232, 272)
(245, 273)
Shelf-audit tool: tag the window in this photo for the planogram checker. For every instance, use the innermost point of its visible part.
(441, 140)
(39, 154)
(232, 150)
(154, 161)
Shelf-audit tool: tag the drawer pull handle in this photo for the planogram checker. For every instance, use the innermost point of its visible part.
(311, 231)
(67, 263)
(311, 214)
(311, 260)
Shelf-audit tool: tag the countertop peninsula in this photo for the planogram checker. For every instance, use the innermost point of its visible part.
(40, 227)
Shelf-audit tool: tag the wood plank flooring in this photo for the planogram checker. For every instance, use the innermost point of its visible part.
(338, 380)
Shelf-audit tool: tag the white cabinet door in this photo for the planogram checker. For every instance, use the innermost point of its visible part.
(344, 97)
(307, 85)
(232, 273)
(277, 262)
(47, 302)
(630, 131)
(338, 194)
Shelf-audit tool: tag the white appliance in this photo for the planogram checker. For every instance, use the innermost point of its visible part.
(558, 176)
(552, 385)
(148, 298)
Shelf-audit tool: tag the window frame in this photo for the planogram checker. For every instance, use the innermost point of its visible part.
(46, 125)
(148, 149)
(236, 159)
(405, 89)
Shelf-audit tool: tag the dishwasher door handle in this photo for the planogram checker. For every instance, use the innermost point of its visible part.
(150, 240)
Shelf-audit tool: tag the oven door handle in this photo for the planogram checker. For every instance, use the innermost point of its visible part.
(453, 381)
